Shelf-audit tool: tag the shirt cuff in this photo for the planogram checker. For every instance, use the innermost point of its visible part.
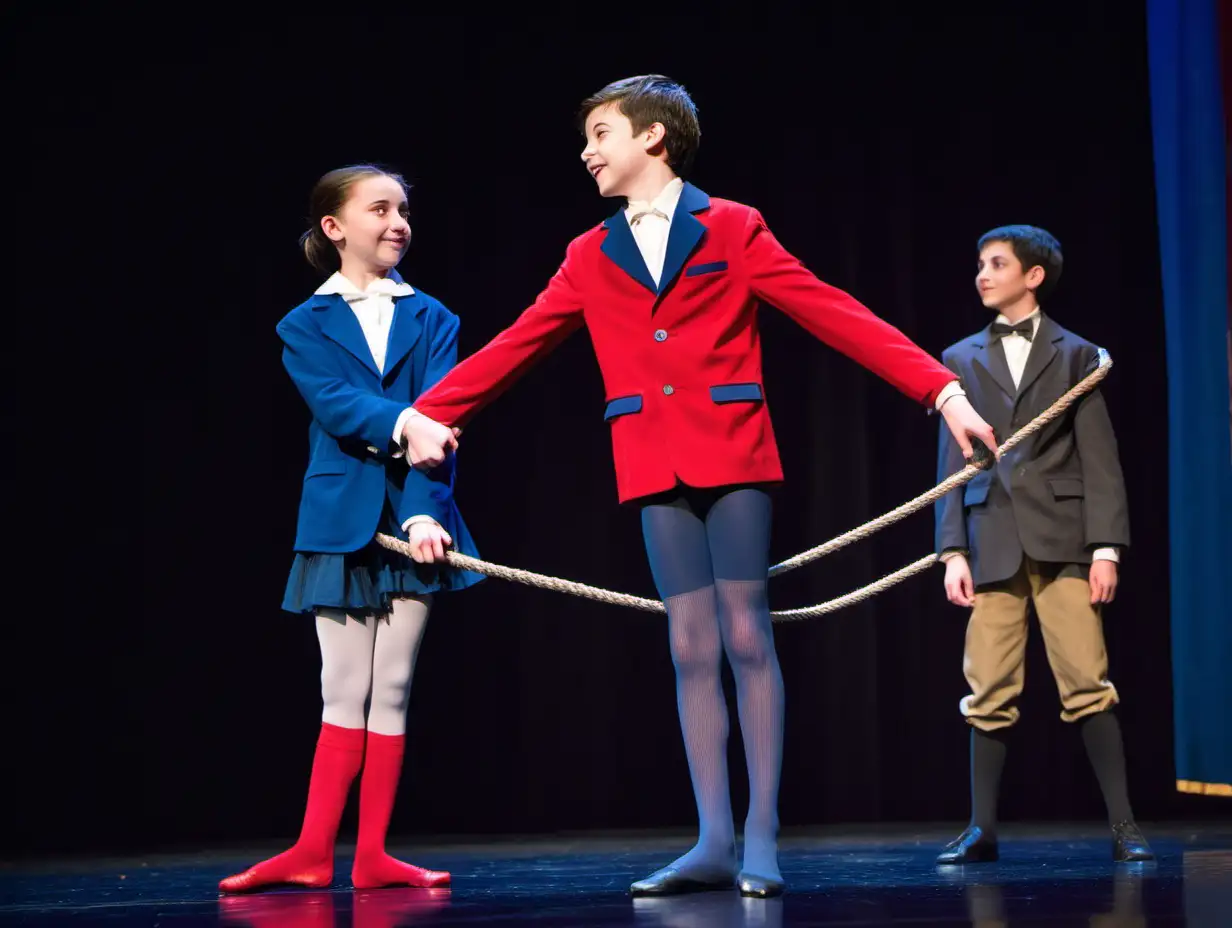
(947, 556)
(1106, 554)
(406, 415)
(406, 526)
(951, 389)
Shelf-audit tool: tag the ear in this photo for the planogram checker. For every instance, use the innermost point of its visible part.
(654, 137)
(332, 229)
(1035, 277)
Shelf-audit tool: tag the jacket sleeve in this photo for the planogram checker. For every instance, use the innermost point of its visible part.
(1105, 507)
(951, 523)
(430, 493)
(837, 318)
(343, 409)
(494, 368)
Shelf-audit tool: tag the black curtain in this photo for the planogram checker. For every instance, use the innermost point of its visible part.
(164, 699)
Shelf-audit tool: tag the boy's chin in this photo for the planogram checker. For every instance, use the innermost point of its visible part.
(608, 188)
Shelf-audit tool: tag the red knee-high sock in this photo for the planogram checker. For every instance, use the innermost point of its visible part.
(378, 787)
(339, 755)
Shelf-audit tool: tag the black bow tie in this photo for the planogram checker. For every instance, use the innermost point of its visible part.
(1024, 328)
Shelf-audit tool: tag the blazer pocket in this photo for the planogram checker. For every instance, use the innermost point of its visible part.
(1066, 487)
(329, 467)
(976, 492)
(736, 393)
(710, 268)
(622, 406)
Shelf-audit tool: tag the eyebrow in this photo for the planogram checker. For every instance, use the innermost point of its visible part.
(603, 124)
(385, 202)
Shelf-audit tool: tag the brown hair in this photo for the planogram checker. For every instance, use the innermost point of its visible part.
(328, 196)
(1032, 246)
(651, 98)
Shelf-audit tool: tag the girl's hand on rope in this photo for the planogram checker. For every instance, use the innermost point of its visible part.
(964, 421)
(428, 542)
(959, 588)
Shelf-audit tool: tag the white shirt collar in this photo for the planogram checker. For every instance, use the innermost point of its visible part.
(665, 202)
(1034, 316)
(343, 286)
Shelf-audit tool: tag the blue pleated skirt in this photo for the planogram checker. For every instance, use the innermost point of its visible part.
(366, 581)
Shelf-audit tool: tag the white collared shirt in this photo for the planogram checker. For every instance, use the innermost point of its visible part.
(650, 224)
(1017, 348)
(374, 308)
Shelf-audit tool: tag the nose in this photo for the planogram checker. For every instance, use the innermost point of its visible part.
(587, 151)
(399, 223)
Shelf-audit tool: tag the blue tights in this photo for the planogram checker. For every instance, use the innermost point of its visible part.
(709, 554)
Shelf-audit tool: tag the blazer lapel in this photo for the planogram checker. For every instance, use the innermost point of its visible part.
(620, 246)
(405, 331)
(685, 233)
(1043, 350)
(991, 357)
(340, 325)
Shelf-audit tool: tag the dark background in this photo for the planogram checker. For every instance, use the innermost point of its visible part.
(162, 697)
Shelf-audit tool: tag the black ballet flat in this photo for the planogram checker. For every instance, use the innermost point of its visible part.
(973, 846)
(671, 882)
(759, 887)
(1129, 844)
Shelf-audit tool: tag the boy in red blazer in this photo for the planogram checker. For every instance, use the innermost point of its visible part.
(669, 287)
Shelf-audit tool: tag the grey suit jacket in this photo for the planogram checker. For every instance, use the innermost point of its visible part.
(1056, 496)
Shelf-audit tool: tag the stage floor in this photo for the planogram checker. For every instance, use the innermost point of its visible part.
(1046, 876)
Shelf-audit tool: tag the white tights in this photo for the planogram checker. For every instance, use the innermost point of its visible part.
(368, 662)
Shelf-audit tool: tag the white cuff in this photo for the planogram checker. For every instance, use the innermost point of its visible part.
(406, 415)
(951, 389)
(950, 555)
(406, 526)
(1106, 554)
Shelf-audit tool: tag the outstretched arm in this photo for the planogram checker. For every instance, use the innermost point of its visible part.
(489, 372)
(842, 322)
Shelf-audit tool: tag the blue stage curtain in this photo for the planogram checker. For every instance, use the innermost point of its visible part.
(1189, 125)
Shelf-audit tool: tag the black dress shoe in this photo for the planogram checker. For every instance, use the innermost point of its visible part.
(761, 887)
(671, 882)
(973, 846)
(1129, 844)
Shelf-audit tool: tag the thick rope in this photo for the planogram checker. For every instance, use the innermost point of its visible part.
(951, 483)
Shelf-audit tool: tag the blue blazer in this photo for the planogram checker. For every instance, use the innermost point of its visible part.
(351, 469)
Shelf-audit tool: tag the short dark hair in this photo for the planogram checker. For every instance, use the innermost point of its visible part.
(651, 98)
(328, 195)
(1032, 246)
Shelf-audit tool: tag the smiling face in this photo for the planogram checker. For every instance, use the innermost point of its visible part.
(1002, 282)
(370, 231)
(617, 157)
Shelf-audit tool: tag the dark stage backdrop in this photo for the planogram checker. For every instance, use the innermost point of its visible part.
(162, 696)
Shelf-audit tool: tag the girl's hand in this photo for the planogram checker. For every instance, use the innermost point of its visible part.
(427, 443)
(428, 542)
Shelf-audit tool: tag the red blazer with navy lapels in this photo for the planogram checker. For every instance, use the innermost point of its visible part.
(681, 361)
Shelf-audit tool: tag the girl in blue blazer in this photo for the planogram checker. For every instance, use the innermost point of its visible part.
(360, 350)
